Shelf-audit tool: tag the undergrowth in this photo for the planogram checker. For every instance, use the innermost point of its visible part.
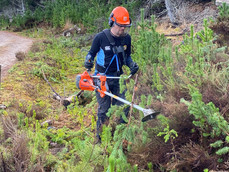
(178, 81)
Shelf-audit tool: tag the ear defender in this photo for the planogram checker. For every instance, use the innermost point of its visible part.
(130, 21)
(111, 22)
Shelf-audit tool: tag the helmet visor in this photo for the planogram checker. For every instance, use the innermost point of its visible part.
(123, 25)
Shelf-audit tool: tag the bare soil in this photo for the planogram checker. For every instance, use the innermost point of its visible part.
(10, 44)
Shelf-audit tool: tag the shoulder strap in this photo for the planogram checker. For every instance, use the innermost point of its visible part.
(109, 37)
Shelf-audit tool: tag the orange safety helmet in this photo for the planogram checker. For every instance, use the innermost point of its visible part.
(120, 17)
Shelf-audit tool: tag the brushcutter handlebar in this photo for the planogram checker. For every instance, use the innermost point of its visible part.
(110, 77)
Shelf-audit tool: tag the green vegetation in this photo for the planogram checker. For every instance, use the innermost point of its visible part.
(224, 11)
(188, 83)
(89, 14)
(209, 121)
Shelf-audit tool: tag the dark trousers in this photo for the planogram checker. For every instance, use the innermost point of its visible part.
(105, 103)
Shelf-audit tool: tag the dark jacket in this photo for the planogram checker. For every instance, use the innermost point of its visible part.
(102, 47)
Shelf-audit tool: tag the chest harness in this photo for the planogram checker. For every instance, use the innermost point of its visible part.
(116, 50)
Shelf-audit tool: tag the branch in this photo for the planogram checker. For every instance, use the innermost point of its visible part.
(68, 100)
(50, 84)
(3, 162)
(40, 5)
(177, 34)
(132, 102)
(161, 13)
(17, 4)
(64, 100)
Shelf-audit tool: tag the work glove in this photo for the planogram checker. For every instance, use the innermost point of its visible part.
(88, 62)
(133, 68)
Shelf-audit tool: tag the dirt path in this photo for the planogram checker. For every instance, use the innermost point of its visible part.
(10, 44)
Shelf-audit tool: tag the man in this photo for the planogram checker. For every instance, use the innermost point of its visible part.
(113, 49)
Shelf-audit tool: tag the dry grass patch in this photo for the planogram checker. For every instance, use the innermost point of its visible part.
(192, 157)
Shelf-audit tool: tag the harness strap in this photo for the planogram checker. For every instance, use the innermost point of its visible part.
(114, 57)
(115, 50)
(109, 37)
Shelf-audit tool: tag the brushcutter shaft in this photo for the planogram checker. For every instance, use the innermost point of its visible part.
(110, 77)
(148, 113)
(124, 101)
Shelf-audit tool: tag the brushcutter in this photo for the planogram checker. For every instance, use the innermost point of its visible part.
(85, 81)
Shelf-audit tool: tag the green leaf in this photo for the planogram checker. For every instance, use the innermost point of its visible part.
(112, 163)
(206, 170)
(227, 139)
(216, 144)
(206, 134)
(220, 160)
(182, 100)
(166, 137)
(222, 151)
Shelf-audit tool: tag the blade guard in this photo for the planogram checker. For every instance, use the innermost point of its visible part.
(149, 114)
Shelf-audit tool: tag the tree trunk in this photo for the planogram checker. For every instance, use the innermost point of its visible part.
(171, 8)
(19, 6)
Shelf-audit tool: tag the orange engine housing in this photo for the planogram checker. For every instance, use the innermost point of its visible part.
(85, 82)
